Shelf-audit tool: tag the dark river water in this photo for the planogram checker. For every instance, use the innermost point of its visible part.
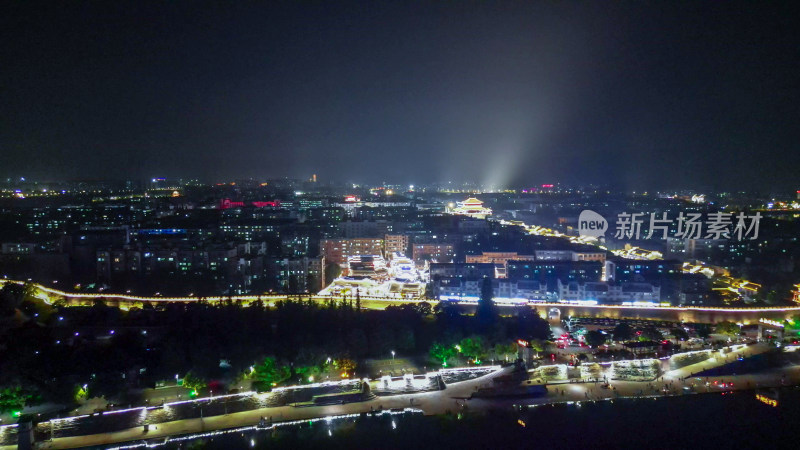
(728, 421)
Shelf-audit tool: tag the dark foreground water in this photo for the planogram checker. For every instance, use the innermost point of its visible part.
(730, 421)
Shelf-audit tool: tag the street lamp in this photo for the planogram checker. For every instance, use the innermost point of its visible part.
(392, 355)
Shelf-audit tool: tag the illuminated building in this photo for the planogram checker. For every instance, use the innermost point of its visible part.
(13, 248)
(496, 257)
(457, 289)
(338, 250)
(516, 291)
(227, 203)
(471, 207)
(605, 293)
(366, 228)
(464, 284)
(589, 256)
(303, 274)
(433, 253)
(367, 266)
(634, 270)
(402, 268)
(569, 255)
(461, 270)
(370, 275)
(553, 255)
(499, 259)
(549, 272)
(352, 205)
(395, 243)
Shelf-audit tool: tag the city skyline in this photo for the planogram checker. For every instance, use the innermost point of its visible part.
(395, 224)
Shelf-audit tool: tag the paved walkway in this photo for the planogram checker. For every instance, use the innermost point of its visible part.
(434, 402)
(456, 396)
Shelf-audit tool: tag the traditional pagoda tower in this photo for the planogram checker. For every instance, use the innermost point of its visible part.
(471, 207)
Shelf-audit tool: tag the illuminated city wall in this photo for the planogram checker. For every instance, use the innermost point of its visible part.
(686, 314)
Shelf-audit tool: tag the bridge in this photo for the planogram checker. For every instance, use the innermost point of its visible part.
(552, 310)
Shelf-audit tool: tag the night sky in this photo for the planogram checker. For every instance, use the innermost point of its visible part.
(640, 95)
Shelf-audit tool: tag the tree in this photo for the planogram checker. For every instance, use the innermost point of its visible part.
(107, 384)
(727, 328)
(344, 364)
(441, 352)
(81, 394)
(506, 352)
(13, 399)
(332, 272)
(703, 330)
(531, 326)
(447, 311)
(423, 308)
(473, 347)
(404, 338)
(309, 373)
(173, 358)
(357, 342)
(11, 295)
(650, 334)
(595, 338)
(772, 297)
(537, 344)
(29, 291)
(268, 374)
(622, 332)
(486, 312)
(194, 382)
(679, 334)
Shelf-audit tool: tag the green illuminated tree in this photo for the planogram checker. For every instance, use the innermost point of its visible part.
(13, 399)
(194, 382)
(650, 334)
(727, 328)
(81, 393)
(268, 373)
(441, 352)
(537, 344)
(308, 374)
(473, 347)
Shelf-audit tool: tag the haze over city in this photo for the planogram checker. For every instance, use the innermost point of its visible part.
(509, 94)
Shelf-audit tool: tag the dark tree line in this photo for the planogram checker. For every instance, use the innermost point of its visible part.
(112, 350)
